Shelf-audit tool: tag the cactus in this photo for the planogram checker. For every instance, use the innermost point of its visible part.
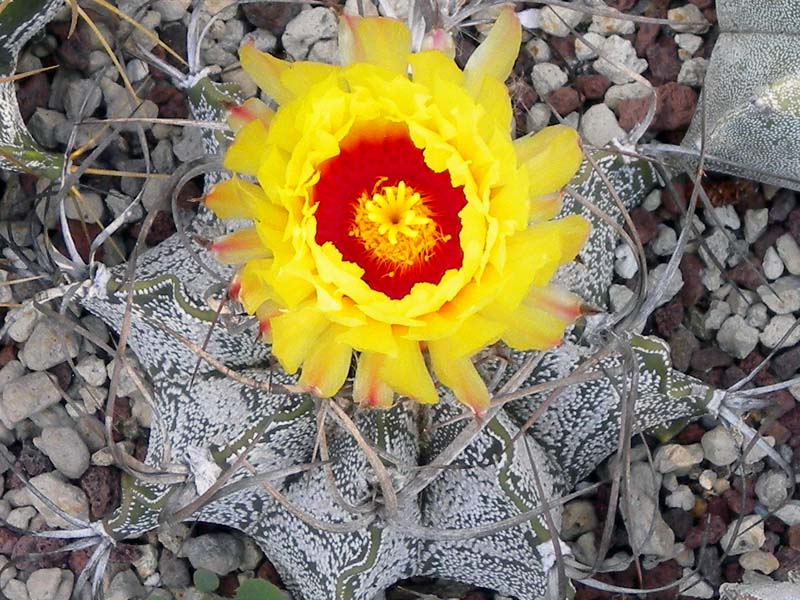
(347, 501)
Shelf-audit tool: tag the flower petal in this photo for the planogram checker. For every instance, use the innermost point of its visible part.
(265, 312)
(225, 199)
(253, 290)
(459, 374)
(246, 154)
(326, 367)
(557, 301)
(431, 66)
(295, 334)
(369, 388)
(532, 328)
(496, 55)
(552, 157)
(407, 373)
(252, 108)
(372, 337)
(574, 230)
(376, 40)
(266, 71)
(545, 207)
(281, 80)
(475, 333)
(240, 247)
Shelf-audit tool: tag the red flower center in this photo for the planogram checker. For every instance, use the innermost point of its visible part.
(387, 211)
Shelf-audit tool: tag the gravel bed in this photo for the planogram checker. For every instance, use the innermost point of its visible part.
(719, 507)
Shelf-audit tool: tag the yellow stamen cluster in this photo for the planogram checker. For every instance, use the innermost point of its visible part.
(395, 226)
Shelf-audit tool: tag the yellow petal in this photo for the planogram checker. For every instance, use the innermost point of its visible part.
(253, 289)
(475, 334)
(431, 66)
(544, 208)
(460, 375)
(240, 247)
(552, 157)
(557, 301)
(372, 337)
(574, 230)
(250, 109)
(496, 55)
(492, 95)
(265, 312)
(325, 370)
(266, 71)
(531, 328)
(225, 200)
(407, 373)
(377, 40)
(302, 75)
(368, 388)
(281, 80)
(247, 151)
(295, 334)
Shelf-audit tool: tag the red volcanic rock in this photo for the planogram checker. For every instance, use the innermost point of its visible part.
(593, 87)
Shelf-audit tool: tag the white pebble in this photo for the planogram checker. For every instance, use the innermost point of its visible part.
(755, 223)
(779, 326)
(557, 20)
(547, 78)
(688, 19)
(789, 252)
(608, 25)
(583, 51)
(599, 126)
(615, 53)
(772, 264)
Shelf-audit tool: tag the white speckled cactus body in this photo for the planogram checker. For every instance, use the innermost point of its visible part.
(419, 490)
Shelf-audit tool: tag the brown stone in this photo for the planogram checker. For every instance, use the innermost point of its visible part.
(565, 100)
(102, 487)
(675, 106)
(645, 223)
(593, 87)
(745, 275)
(736, 504)
(793, 537)
(171, 101)
(669, 317)
(691, 434)
(662, 58)
(33, 92)
(273, 16)
(646, 37)
(709, 531)
(693, 289)
(793, 223)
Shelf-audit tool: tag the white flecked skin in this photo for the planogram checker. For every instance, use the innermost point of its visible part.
(20, 21)
(752, 93)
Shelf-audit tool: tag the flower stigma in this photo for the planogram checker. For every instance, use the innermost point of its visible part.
(396, 227)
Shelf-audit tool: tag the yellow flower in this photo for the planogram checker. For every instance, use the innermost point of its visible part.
(395, 217)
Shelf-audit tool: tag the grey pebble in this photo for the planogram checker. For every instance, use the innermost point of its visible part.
(48, 346)
(787, 299)
(772, 489)
(219, 553)
(599, 126)
(50, 584)
(28, 395)
(719, 447)
(736, 337)
(772, 264)
(65, 449)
